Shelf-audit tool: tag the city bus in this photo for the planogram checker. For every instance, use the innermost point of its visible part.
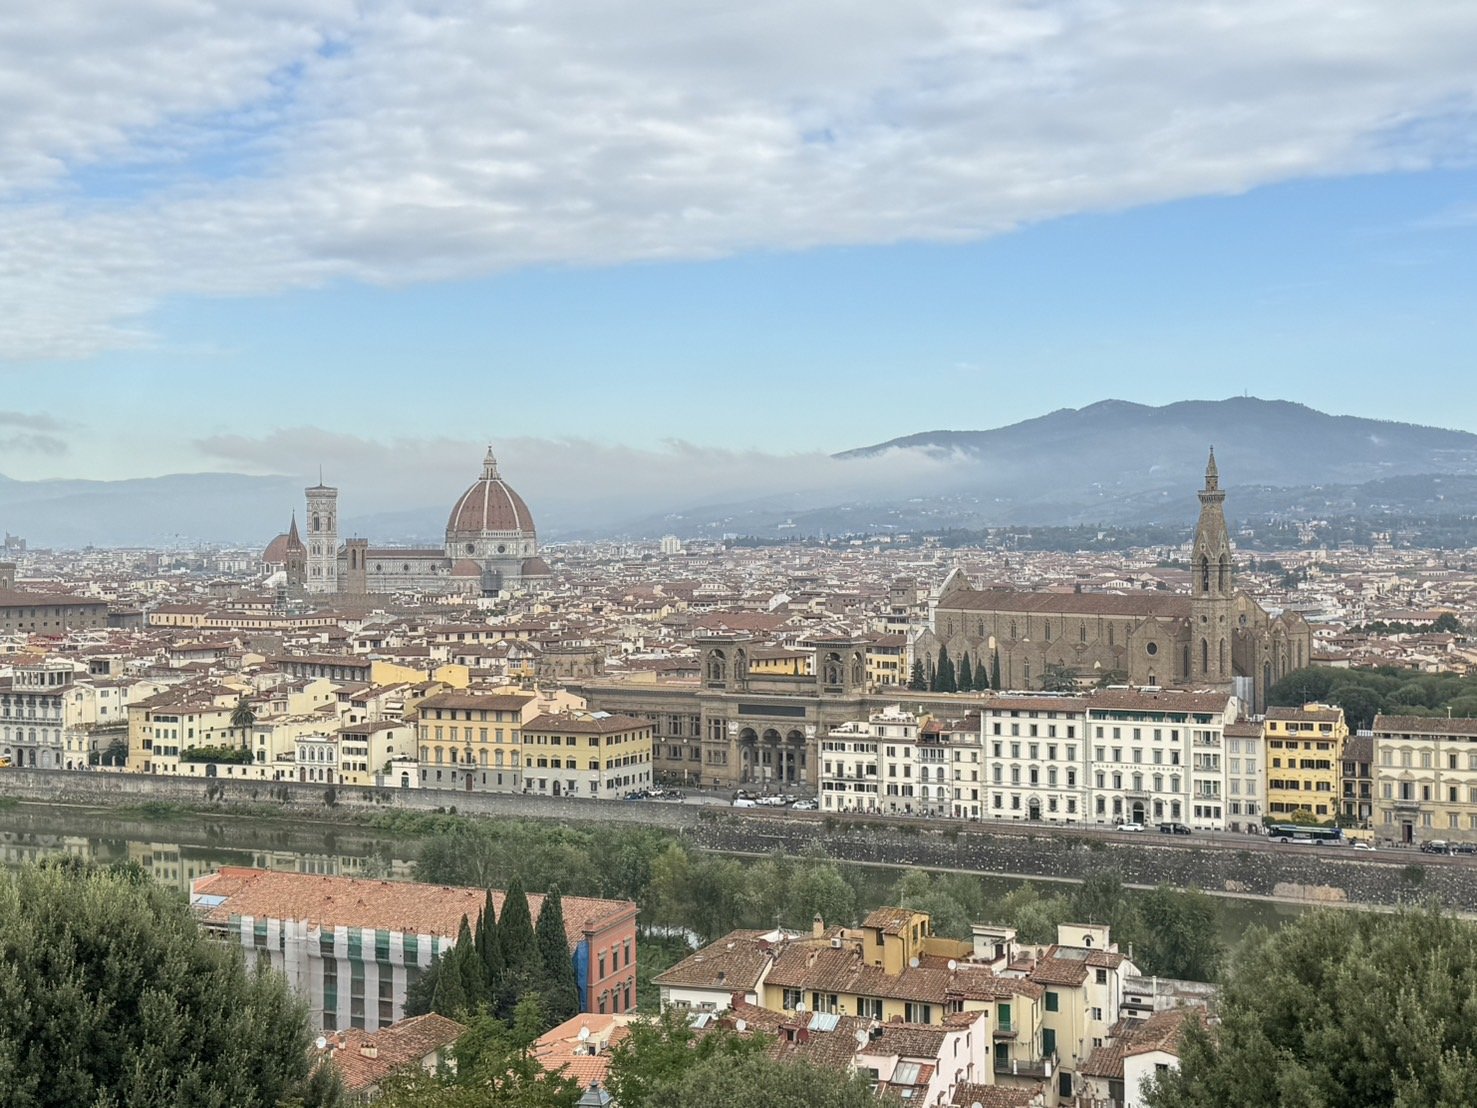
(1301, 833)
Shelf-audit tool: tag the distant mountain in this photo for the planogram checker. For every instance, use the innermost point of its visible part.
(1135, 448)
(1124, 464)
(177, 509)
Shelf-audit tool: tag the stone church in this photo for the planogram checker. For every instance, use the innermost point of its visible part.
(1216, 637)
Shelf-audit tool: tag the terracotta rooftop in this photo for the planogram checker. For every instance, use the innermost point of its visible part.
(733, 962)
(384, 905)
(1424, 725)
(393, 1048)
(1137, 604)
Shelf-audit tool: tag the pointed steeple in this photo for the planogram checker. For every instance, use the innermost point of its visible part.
(293, 539)
(489, 465)
(1212, 474)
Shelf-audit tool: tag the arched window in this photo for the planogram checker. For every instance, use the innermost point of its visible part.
(1082, 633)
(1204, 573)
(1204, 656)
(1225, 574)
(1223, 656)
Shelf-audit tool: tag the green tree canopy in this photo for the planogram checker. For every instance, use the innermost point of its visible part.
(757, 1081)
(111, 996)
(1341, 1010)
(658, 1053)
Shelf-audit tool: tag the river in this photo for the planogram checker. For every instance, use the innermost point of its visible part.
(176, 847)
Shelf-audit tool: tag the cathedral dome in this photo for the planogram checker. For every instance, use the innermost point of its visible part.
(489, 506)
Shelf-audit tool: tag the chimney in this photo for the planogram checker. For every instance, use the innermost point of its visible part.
(817, 926)
(367, 1049)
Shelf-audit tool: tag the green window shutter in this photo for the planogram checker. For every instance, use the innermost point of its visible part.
(1053, 1002)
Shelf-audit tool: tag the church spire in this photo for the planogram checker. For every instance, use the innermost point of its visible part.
(1212, 474)
(489, 465)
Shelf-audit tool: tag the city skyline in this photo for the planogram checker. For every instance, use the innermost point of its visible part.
(250, 234)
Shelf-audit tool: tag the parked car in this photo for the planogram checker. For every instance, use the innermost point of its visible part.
(771, 801)
(1435, 846)
(1130, 827)
(743, 802)
(1173, 829)
(1464, 848)
(804, 806)
(1361, 845)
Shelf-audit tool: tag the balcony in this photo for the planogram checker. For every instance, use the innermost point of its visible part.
(1036, 1068)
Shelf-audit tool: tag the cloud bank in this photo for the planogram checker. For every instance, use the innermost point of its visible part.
(571, 485)
(151, 150)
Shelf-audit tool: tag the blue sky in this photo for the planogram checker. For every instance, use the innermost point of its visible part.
(377, 236)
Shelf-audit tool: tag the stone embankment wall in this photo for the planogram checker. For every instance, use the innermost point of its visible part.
(1309, 874)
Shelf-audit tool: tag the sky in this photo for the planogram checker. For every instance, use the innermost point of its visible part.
(724, 239)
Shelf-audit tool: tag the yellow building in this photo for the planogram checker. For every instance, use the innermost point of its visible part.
(887, 660)
(1304, 753)
(778, 662)
(473, 741)
(586, 754)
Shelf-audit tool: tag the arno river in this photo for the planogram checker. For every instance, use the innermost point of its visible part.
(179, 848)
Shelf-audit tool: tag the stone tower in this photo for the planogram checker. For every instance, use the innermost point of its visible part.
(1212, 587)
(295, 560)
(322, 538)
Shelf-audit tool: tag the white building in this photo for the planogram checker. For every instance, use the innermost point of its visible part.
(1035, 757)
(1246, 769)
(848, 770)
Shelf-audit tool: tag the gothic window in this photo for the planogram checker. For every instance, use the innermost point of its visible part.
(1225, 574)
(1223, 656)
(316, 526)
(1012, 629)
(715, 666)
(1204, 656)
(1110, 634)
(1204, 573)
(1046, 630)
(1082, 633)
(831, 671)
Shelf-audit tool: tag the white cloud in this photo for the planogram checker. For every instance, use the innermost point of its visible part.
(153, 149)
(571, 484)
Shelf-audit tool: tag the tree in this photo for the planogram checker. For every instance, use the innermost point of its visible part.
(1181, 935)
(981, 675)
(995, 670)
(658, 1052)
(242, 717)
(495, 1068)
(756, 1081)
(489, 950)
(558, 988)
(469, 969)
(819, 889)
(519, 948)
(1112, 677)
(110, 995)
(947, 682)
(918, 681)
(966, 674)
(1059, 678)
(1353, 1009)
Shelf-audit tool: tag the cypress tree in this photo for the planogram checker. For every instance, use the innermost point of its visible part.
(518, 947)
(469, 967)
(490, 951)
(995, 670)
(449, 998)
(981, 675)
(918, 682)
(558, 986)
(933, 677)
(947, 680)
(966, 674)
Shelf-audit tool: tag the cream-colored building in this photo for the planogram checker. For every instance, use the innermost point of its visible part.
(848, 770)
(473, 741)
(1425, 778)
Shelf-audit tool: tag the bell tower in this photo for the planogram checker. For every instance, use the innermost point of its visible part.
(322, 567)
(1212, 589)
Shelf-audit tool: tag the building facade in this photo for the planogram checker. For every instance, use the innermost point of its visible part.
(1304, 751)
(586, 754)
(1425, 778)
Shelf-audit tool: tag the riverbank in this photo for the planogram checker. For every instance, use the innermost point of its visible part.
(1293, 875)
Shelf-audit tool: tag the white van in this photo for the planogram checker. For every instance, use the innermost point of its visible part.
(742, 803)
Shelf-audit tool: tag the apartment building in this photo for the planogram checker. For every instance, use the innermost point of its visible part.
(1425, 778)
(1304, 752)
(1246, 765)
(1035, 757)
(1356, 780)
(848, 771)
(588, 754)
(352, 947)
(473, 741)
(33, 714)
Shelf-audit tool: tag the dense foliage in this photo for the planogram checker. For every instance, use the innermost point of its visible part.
(499, 964)
(1365, 693)
(1341, 1010)
(111, 996)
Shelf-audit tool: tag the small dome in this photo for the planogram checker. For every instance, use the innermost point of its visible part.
(489, 506)
(465, 567)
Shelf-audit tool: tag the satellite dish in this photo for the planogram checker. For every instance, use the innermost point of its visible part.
(322, 1043)
(800, 1006)
(584, 1033)
(741, 1026)
(953, 965)
(862, 1038)
(913, 962)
